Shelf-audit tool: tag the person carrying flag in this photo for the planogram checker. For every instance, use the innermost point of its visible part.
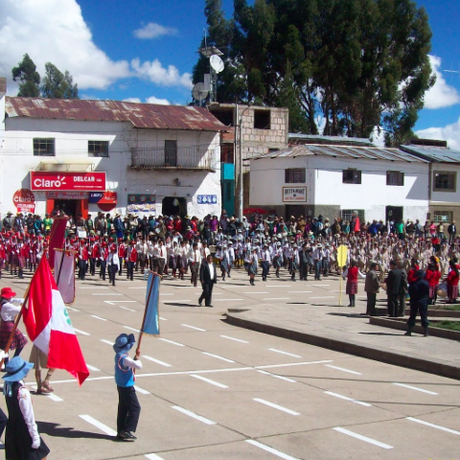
(129, 408)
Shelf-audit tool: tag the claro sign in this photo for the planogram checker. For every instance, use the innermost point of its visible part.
(67, 181)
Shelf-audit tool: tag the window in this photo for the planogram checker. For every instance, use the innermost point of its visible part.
(351, 176)
(444, 181)
(261, 119)
(395, 178)
(44, 147)
(294, 176)
(347, 214)
(98, 148)
(443, 216)
(170, 153)
(226, 153)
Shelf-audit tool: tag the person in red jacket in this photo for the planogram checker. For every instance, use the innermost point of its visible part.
(351, 274)
(452, 280)
(121, 254)
(414, 267)
(131, 257)
(433, 275)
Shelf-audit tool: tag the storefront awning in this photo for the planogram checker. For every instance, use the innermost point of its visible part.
(62, 166)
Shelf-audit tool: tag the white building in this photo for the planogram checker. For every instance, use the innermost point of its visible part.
(86, 156)
(335, 179)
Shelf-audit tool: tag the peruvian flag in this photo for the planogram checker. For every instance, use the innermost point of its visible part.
(48, 324)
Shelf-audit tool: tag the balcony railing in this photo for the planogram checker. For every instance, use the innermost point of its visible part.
(191, 158)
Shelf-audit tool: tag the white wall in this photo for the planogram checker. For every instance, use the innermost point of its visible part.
(71, 146)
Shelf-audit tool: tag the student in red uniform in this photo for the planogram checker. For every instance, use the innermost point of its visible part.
(433, 275)
(351, 274)
(452, 281)
(121, 254)
(83, 256)
(414, 267)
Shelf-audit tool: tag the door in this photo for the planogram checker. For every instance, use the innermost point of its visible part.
(394, 213)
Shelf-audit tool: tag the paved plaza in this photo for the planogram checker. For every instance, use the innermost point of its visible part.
(212, 389)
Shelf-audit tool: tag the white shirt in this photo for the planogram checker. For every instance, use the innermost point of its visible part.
(211, 270)
(9, 311)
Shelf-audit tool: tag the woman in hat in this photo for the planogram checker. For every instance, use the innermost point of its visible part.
(22, 440)
(8, 313)
(129, 408)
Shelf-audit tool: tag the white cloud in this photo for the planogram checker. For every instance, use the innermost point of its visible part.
(159, 75)
(449, 133)
(150, 100)
(55, 31)
(153, 30)
(441, 94)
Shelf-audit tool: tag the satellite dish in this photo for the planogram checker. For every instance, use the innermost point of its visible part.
(198, 92)
(216, 63)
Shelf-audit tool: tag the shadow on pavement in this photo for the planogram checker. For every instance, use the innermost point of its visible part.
(172, 304)
(401, 334)
(55, 430)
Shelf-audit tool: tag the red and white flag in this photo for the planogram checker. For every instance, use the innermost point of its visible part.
(48, 324)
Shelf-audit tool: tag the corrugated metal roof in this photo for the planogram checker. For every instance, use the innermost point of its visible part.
(149, 116)
(434, 154)
(346, 151)
(318, 139)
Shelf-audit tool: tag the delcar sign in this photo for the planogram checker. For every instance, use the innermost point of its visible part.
(67, 181)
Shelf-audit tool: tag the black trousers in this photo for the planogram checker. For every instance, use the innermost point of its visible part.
(371, 301)
(129, 409)
(416, 307)
(82, 269)
(130, 269)
(112, 273)
(206, 294)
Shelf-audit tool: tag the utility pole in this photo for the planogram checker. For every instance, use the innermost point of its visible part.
(239, 189)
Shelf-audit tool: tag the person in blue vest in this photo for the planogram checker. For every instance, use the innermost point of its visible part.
(129, 408)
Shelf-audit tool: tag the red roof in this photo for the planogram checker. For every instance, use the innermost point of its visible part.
(150, 116)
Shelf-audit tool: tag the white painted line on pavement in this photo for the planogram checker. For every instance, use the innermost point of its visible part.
(121, 301)
(175, 300)
(163, 294)
(52, 396)
(270, 449)
(276, 406)
(72, 309)
(346, 398)
(278, 376)
(162, 363)
(343, 370)
(92, 368)
(106, 293)
(284, 353)
(273, 366)
(319, 285)
(323, 297)
(186, 287)
(212, 382)
(153, 457)
(163, 319)
(98, 317)
(432, 425)
(141, 390)
(193, 415)
(171, 342)
(415, 388)
(234, 339)
(131, 329)
(99, 425)
(81, 332)
(218, 357)
(140, 287)
(194, 327)
(128, 309)
(108, 342)
(226, 300)
(277, 298)
(252, 292)
(363, 438)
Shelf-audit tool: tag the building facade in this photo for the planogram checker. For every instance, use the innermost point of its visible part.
(335, 180)
(89, 156)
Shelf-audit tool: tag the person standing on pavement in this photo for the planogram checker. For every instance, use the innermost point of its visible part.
(265, 259)
(351, 274)
(396, 289)
(129, 408)
(194, 259)
(113, 263)
(22, 439)
(452, 281)
(208, 277)
(371, 286)
(317, 257)
(419, 291)
(253, 264)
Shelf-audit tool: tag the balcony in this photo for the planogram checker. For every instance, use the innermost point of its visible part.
(186, 158)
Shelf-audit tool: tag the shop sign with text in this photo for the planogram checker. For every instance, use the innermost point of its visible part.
(294, 194)
(67, 181)
(24, 200)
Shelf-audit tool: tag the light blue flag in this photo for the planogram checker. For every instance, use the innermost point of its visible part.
(151, 321)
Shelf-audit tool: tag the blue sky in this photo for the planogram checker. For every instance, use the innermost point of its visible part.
(144, 50)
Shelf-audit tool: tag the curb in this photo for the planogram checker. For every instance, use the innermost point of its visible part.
(418, 364)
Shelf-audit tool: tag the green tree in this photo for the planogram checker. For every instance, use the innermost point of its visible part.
(26, 73)
(57, 85)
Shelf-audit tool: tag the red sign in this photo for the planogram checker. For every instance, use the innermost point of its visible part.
(24, 200)
(67, 181)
